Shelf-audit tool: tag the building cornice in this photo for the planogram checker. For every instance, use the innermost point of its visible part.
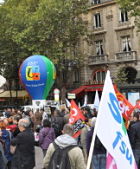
(124, 28)
(99, 32)
(101, 5)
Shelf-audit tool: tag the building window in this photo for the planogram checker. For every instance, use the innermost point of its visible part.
(64, 76)
(126, 44)
(97, 20)
(123, 16)
(99, 47)
(99, 76)
(96, 1)
(76, 76)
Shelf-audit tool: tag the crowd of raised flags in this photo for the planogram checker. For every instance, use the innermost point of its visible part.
(113, 110)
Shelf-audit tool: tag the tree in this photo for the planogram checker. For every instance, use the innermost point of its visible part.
(47, 27)
(121, 77)
(134, 7)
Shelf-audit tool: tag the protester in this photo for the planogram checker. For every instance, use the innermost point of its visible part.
(87, 112)
(64, 141)
(10, 125)
(66, 115)
(99, 153)
(7, 112)
(6, 137)
(45, 114)
(24, 155)
(3, 160)
(134, 136)
(137, 106)
(16, 119)
(57, 122)
(46, 136)
(29, 114)
(133, 119)
(83, 137)
(37, 118)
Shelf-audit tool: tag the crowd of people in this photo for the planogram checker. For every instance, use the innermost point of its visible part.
(21, 131)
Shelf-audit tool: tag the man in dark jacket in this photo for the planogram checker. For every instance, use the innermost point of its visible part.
(134, 136)
(99, 153)
(57, 122)
(24, 156)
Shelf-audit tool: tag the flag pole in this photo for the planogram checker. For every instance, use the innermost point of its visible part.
(93, 137)
(92, 143)
(91, 150)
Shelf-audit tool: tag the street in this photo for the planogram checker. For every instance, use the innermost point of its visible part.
(39, 158)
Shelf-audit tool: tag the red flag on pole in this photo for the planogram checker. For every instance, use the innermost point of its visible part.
(126, 107)
(76, 118)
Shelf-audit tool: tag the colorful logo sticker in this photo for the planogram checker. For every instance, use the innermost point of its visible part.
(32, 73)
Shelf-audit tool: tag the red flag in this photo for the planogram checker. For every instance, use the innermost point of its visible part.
(76, 118)
(125, 105)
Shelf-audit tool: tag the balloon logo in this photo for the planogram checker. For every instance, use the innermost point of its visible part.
(37, 73)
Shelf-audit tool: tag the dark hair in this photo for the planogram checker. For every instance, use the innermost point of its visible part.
(137, 114)
(46, 123)
(17, 117)
(27, 112)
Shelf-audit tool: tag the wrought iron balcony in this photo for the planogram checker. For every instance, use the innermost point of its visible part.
(99, 59)
(126, 56)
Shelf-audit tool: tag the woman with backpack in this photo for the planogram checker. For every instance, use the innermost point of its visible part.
(46, 136)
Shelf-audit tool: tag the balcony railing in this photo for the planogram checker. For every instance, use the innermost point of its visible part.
(126, 56)
(99, 59)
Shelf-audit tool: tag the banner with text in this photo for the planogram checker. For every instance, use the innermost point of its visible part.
(111, 130)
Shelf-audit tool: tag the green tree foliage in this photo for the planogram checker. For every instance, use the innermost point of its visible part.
(121, 77)
(48, 27)
(134, 7)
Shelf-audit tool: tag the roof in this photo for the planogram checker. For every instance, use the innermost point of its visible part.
(20, 93)
(87, 88)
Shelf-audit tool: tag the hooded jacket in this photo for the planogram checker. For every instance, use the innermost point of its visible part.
(75, 154)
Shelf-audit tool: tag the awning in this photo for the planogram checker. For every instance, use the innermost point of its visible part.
(87, 88)
(78, 90)
(20, 93)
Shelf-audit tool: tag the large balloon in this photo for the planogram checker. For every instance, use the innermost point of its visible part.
(37, 73)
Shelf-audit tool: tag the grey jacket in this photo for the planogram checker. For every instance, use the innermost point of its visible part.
(75, 154)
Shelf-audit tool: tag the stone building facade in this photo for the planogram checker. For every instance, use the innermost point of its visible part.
(115, 43)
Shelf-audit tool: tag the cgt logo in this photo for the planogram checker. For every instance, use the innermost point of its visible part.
(32, 73)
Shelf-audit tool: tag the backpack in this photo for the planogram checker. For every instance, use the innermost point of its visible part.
(60, 158)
